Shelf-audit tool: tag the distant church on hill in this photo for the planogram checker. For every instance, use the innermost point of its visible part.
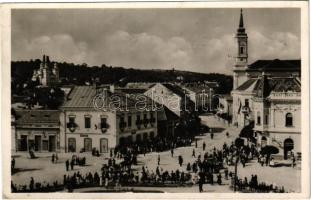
(47, 74)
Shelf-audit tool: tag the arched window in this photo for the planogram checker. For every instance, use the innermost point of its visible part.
(289, 119)
(258, 118)
(241, 50)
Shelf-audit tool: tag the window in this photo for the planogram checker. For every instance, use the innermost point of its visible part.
(71, 120)
(246, 103)
(103, 122)
(129, 121)
(258, 118)
(267, 119)
(241, 50)
(138, 117)
(87, 122)
(145, 116)
(289, 119)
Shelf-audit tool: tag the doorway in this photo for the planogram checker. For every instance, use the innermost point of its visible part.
(71, 144)
(52, 143)
(103, 145)
(87, 144)
(37, 142)
(288, 146)
(23, 143)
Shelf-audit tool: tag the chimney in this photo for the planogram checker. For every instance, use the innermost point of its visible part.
(43, 58)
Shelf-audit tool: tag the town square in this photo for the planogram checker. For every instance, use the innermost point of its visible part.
(156, 101)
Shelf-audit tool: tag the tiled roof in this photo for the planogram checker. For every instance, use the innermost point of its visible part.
(36, 116)
(275, 65)
(247, 84)
(83, 97)
(80, 97)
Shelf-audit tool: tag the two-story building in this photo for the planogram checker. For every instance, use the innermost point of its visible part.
(277, 110)
(98, 117)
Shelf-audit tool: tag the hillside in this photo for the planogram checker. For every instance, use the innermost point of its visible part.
(21, 72)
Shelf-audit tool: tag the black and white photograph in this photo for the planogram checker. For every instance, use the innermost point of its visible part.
(157, 100)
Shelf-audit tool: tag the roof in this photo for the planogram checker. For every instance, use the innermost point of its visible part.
(167, 114)
(83, 97)
(267, 85)
(132, 90)
(80, 97)
(247, 84)
(175, 89)
(263, 85)
(36, 116)
(275, 65)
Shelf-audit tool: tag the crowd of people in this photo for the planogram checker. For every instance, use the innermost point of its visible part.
(254, 186)
(206, 166)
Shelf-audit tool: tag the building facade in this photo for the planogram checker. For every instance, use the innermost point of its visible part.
(36, 130)
(86, 125)
(277, 108)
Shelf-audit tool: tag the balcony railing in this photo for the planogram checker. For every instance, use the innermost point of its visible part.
(285, 95)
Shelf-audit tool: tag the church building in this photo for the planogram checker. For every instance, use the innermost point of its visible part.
(267, 92)
(47, 74)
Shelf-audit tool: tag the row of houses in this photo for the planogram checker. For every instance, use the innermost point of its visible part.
(102, 117)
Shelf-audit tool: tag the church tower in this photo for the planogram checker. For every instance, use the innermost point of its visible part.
(239, 74)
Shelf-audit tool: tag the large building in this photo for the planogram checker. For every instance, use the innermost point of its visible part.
(268, 93)
(47, 74)
(100, 118)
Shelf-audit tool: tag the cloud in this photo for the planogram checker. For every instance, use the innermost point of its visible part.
(61, 47)
(149, 51)
(282, 45)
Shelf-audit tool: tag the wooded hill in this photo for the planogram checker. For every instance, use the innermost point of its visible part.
(21, 72)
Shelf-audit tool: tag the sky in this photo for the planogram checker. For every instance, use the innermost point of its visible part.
(198, 39)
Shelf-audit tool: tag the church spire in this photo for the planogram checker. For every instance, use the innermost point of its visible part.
(241, 24)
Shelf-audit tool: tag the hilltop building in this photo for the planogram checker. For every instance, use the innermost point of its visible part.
(47, 74)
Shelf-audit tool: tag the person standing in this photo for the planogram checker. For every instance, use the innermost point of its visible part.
(196, 143)
(193, 153)
(204, 146)
(172, 152)
(159, 159)
(67, 165)
(212, 135)
(53, 158)
(219, 179)
(180, 160)
(32, 183)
